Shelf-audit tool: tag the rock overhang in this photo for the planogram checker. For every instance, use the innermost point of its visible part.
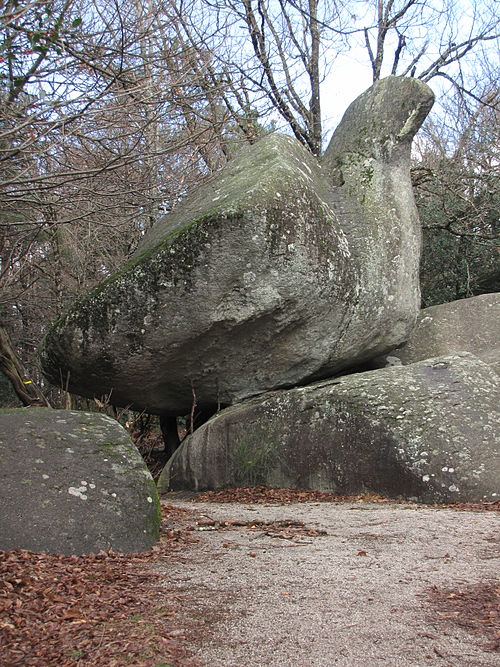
(252, 271)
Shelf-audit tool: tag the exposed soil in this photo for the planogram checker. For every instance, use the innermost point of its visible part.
(252, 577)
(293, 579)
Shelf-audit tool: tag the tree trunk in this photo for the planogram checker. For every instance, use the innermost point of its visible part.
(168, 426)
(314, 77)
(27, 391)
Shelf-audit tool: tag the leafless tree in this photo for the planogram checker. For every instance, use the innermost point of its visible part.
(456, 178)
(111, 110)
(94, 145)
(274, 55)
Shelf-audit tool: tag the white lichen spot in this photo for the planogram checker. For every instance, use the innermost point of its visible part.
(69, 450)
(249, 277)
(45, 476)
(38, 460)
(451, 469)
(291, 247)
(453, 487)
(83, 483)
(114, 495)
(91, 486)
(149, 499)
(445, 469)
(425, 478)
(424, 454)
(78, 492)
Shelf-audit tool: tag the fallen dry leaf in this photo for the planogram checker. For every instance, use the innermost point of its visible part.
(475, 608)
(270, 496)
(105, 609)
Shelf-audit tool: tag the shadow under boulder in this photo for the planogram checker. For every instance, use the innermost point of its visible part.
(428, 432)
(73, 483)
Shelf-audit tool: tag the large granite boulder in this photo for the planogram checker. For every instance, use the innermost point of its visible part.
(252, 284)
(468, 325)
(428, 431)
(73, 483)
(368, 162)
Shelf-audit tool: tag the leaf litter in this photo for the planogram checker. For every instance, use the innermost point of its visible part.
(105, 608)
(110, 609)
(263, 495)
(475, 608)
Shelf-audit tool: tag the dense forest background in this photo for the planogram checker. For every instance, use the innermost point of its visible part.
(111, 110)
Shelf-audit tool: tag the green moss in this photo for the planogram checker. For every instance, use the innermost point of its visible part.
(106, 446)
(253, 456)
(358, 172)
(171, 260)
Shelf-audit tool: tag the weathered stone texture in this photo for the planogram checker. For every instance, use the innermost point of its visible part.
(429, 431)
(73, 483)
(251, 284)
(468, 325)
(368, 159)
(241, 297)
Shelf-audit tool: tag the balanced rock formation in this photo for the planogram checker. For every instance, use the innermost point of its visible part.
(468, 325)
(276, 272)
(73, 483)
(428, 431)
(368, 162)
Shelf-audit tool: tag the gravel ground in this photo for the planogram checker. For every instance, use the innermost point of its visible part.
(355, 596)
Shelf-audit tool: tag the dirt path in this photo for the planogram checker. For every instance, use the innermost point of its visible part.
(287, 595)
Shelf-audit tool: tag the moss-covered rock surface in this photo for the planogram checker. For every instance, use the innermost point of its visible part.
(276, 272)
(428, 431)
(72, 483)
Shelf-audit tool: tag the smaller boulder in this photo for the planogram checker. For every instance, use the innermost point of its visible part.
(427, 432)
(468, 325)
(73, 483)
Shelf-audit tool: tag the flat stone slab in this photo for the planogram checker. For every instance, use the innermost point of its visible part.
(73, 483)
(428, 432)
